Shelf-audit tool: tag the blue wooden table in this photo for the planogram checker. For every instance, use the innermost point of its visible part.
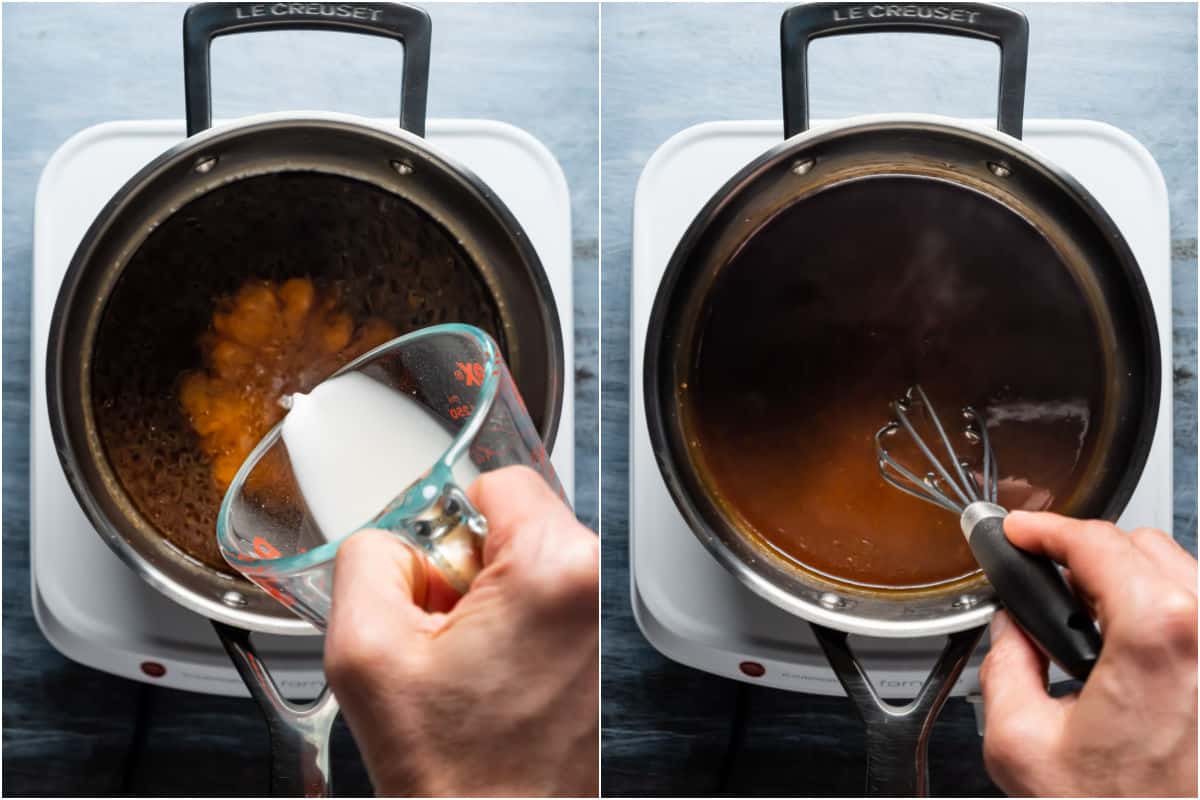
(72, 730)
(668, 729)
(672, 730)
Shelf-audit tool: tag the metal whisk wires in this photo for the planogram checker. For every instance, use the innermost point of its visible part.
(953, 489)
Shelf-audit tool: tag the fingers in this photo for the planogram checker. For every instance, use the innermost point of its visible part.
(537, 556)
(516, 500)
(379, 586)
(367, 559)
(1020, 716)
(1100, 557)
(378, 564)
(1013, 675)
(440, 596)
(1167, 555)
(1143, 589)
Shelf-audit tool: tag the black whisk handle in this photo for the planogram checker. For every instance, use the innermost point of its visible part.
(1034, 592)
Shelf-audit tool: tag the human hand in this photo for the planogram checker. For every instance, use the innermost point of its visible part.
(1131, 730)
(495, 694)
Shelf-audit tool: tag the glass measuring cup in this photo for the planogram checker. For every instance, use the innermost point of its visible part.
(442, 393)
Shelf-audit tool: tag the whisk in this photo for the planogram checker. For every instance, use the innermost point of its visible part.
(1029, 585)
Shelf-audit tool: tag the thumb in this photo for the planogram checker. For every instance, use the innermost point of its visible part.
(1016, 704)
(379, 587)
(376, 621)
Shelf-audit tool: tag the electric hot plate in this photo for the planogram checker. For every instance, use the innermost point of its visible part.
(90, 606)
(687, 605)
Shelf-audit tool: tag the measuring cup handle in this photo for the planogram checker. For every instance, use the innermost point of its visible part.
(449, 532)
(299, 733)
(897, 736)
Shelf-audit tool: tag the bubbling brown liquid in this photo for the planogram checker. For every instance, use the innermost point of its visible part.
(254, 290)
(831, 311)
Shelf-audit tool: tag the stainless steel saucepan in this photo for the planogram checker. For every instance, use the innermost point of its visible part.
(376, 213)
(996, 178)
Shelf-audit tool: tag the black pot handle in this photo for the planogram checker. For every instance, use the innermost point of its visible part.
(898, 736)
(408, 25)
(299, 733)
(1007, 28)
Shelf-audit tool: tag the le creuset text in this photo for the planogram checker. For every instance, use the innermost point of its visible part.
(308, 10)
(911, 11)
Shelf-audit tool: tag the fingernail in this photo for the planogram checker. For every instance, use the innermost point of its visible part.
(1000, 623)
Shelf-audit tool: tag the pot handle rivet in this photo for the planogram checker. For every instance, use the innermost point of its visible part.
(402, 167)
(998, 169)
(205, 164)
(234, 599)
(830, 600)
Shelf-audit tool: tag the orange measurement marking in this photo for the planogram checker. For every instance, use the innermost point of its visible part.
(469, 373)
(264, 548)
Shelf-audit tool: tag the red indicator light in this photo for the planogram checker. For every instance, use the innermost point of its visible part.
(753, 669)
(153, 669)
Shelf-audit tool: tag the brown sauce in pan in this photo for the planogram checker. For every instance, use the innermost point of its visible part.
(832, 310)
(252, 291)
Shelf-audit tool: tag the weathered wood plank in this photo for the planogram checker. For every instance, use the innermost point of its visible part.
(186, 733)
(811, 745)
(67, 728)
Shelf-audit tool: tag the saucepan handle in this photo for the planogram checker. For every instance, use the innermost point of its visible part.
(897, 736)
(408, 25)
(1007, 28)
(299, 733)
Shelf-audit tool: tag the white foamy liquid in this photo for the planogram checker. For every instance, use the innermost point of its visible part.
(356, 444)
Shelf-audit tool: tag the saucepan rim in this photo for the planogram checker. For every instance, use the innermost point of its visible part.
(963, 604)
(267, 616)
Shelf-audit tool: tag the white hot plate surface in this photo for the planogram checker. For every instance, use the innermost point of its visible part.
(687, 605)
(93, 608)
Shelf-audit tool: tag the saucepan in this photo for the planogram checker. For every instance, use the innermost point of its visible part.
(826, 233)
(375, 221)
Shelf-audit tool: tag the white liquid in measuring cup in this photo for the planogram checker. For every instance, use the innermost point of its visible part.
(356, 444)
